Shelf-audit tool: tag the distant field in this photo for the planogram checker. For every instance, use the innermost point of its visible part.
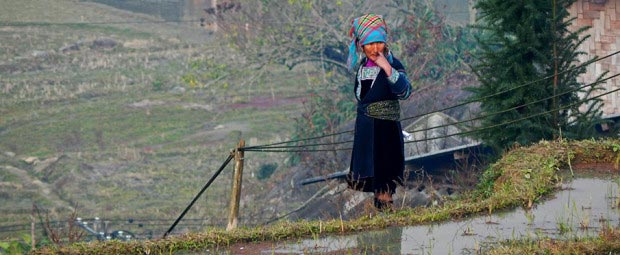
(118, 131)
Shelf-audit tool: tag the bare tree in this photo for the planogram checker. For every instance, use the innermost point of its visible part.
(61, 234)
(292, 32)
(316, 32)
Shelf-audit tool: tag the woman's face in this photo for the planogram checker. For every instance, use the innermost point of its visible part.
(372, 50)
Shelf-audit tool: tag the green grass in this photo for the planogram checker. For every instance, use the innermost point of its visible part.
(608, 242)
(516, 186)
(90, 125)
(8, 177)
(120, 161)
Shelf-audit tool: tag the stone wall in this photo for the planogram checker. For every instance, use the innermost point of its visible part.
(603, 16)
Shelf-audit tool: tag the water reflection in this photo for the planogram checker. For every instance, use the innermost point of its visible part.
(380, 242)
(580, 209)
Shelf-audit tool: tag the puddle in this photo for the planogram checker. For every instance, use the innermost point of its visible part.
(580, 209)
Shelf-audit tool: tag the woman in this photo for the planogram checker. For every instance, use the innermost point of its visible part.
(377, 160)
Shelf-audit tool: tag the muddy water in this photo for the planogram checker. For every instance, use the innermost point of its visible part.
(579, 209)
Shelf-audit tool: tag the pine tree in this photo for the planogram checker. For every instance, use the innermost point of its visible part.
(528, 50)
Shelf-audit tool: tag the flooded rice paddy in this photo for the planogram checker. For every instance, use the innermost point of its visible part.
(579, 209)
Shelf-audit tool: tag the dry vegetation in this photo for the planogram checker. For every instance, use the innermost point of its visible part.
(523, 177)
(96, 112)
(119, 132)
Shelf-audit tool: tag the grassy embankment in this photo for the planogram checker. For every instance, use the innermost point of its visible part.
(128, 144)
(523, 177)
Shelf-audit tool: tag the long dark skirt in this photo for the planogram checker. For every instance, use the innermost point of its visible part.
(387, 164)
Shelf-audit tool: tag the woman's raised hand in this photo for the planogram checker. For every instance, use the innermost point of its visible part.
(382, 62)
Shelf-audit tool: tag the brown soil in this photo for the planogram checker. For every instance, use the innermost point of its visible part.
(596, 168)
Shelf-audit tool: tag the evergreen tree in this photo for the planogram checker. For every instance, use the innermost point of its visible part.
(528, 50)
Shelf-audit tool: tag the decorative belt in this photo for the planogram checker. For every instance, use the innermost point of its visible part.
(385, 110)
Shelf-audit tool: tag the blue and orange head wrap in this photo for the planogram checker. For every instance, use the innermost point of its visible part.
(366, 29)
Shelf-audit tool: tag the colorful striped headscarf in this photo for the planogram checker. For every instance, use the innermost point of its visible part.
(366, 29)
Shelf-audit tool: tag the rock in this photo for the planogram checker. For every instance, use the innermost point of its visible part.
(104, 43)
(355, 200)
(194, 106)
(70, 48)
(411, 198)
(40, 54)
(137, 44)
(9, 154)
(177, 90)
(448, 190)
(43, 188)
(82, 42)
(146, 103)
(10, 186)
(44, 164)
(31, 160)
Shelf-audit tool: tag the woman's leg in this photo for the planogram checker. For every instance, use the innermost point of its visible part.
(384, 188)
(389, 161)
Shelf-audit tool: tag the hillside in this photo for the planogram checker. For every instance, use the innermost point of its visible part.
(125, 116)
(96, 114)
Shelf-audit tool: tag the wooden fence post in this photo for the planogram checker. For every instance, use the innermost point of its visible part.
(236, 187)
(33, 243)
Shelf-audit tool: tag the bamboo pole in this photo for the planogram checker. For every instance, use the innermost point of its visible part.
(236, 188)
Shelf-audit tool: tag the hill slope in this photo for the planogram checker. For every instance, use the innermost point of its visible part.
(96, 113)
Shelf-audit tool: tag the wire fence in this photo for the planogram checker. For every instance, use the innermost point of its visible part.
(175, 15)
(142, 228)
(151, 224)
(279, 147)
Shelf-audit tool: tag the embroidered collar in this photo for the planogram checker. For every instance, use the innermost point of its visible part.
(366, 74)
(369, 73)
